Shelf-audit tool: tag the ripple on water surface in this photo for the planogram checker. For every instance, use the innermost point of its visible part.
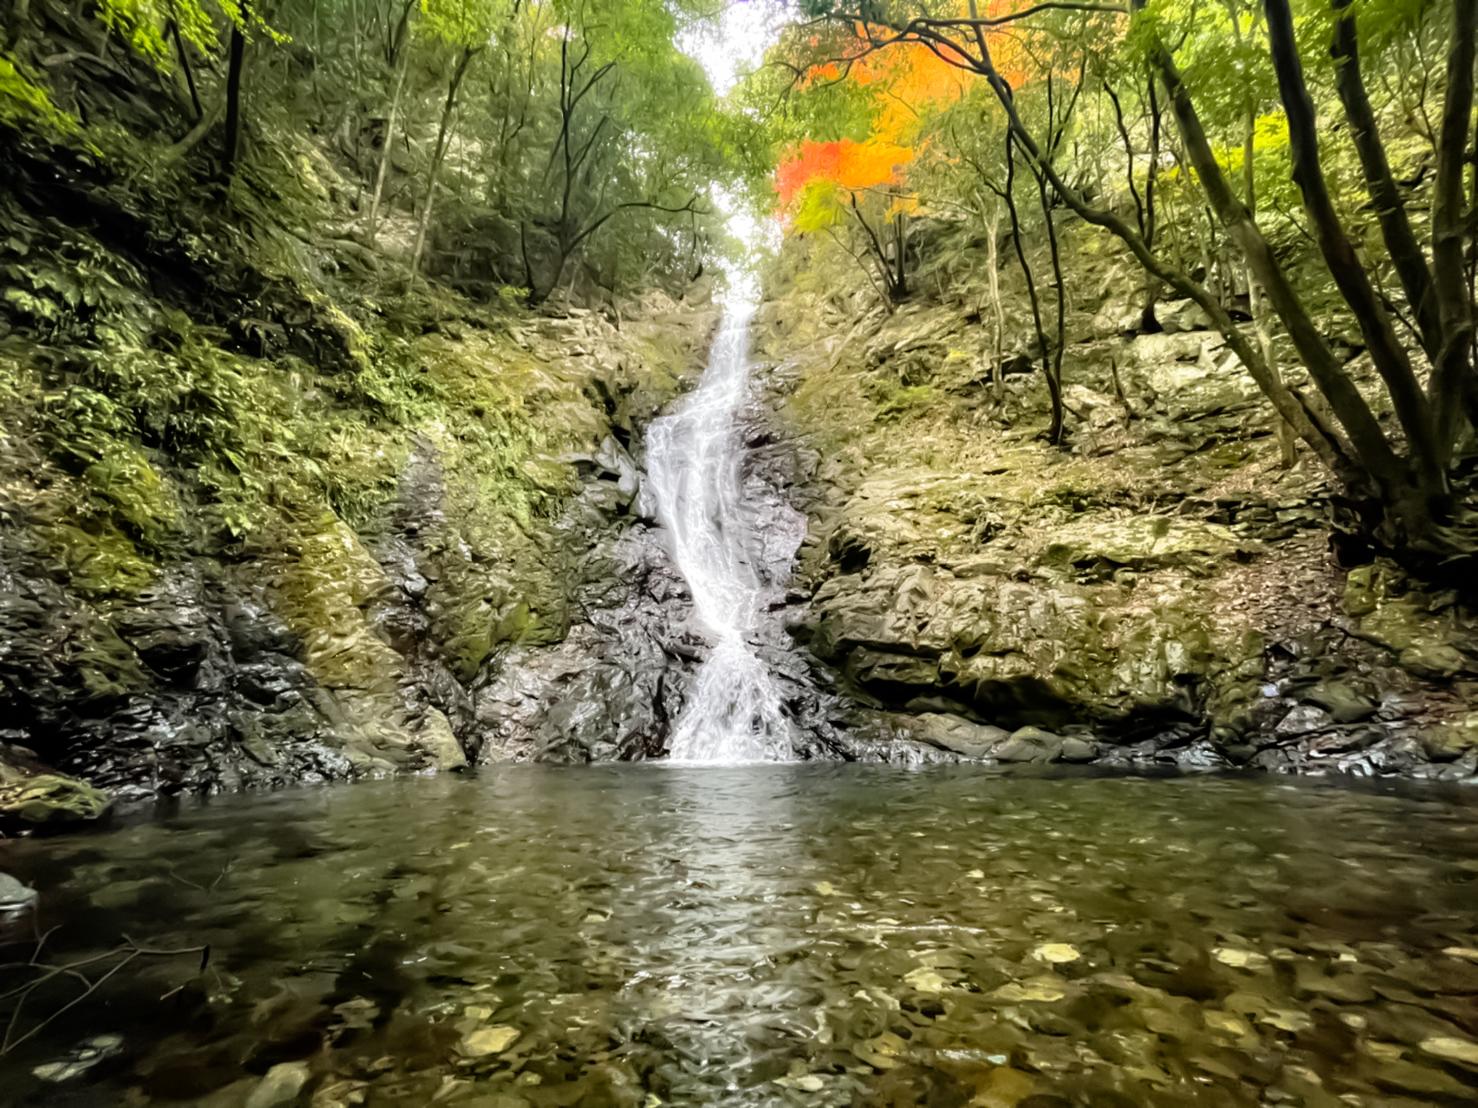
(798, 935)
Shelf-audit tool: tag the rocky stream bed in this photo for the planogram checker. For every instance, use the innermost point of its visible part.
(634, 936)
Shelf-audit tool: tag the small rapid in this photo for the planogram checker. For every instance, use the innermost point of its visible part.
(695, 462)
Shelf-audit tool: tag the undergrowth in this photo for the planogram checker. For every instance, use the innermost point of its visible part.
(172, 418)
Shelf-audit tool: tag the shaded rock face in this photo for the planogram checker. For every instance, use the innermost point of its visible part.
(1156, 594)
(197, 684)
(329, 652)
(610, 689)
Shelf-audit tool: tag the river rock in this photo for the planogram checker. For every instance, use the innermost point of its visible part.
(488, 1040)
(281, 1085)
(48, 799)
(1303, 719)
(956, 734)
(14, 896)
(1075, 749)
(82, 1058)
(1029, 744)
(1343, 703)
(1451, 1049)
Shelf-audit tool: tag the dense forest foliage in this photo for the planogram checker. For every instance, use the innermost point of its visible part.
(1302, 173)
(507, 147)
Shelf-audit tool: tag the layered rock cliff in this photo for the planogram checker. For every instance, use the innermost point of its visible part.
(1158, 591)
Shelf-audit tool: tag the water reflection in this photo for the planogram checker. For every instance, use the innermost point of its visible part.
(769, 936)
(728, 867)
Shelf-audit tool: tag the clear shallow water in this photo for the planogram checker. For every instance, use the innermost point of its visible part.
(786, 935)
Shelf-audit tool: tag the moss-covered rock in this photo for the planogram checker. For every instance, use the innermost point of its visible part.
(47, 800)
(274, 531)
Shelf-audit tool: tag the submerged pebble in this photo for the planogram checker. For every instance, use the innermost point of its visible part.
(280, 1086)
(1057, 953)
(14, 896)
(489, 1040)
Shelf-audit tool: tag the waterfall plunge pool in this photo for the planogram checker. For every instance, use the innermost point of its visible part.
(781, 935)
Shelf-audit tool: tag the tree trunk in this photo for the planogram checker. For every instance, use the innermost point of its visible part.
(533, 296)
(1144, 203)
(1009, 194)
(1374, 452)
(372, 222)
(1054, 378)
(886, 282)
(1406, 253)
(1147, 321)
(20, 16)
(233, 99)
(186, 69)
(1287, 442)
(998, 313)
(1452, 370)
(443, 136)
(900, 256)
(1343, 263)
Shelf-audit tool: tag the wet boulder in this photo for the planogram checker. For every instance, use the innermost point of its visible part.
(30, 801)
(15, 896)
(174, 628)
(957, 734)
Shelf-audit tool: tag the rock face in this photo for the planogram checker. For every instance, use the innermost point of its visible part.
(440, 631)
(1156, 592)
(608, 690)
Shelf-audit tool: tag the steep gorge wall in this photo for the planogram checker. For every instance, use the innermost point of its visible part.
(265, 523)
(1159, 592)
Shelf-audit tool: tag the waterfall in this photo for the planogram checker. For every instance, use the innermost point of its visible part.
(694, 470)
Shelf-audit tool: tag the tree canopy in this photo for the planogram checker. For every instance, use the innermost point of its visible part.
(1300, 170)
(495, 144)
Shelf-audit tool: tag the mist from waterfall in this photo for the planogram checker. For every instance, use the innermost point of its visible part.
(694, 470)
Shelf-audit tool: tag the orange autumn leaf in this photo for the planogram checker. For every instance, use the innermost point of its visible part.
(852, 166)
(904, 82)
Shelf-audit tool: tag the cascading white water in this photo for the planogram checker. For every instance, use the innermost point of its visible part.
(694, 458)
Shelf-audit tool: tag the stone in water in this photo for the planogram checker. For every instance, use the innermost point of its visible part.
(489, 1040)
(1057, 953)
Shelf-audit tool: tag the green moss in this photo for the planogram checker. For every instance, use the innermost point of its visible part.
(359, 466)
(904, 400)
(322, 593)
(106, 666)
(23, 103)
(100, 560)
(1452, 738)
(123, 479)
(48, 798)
